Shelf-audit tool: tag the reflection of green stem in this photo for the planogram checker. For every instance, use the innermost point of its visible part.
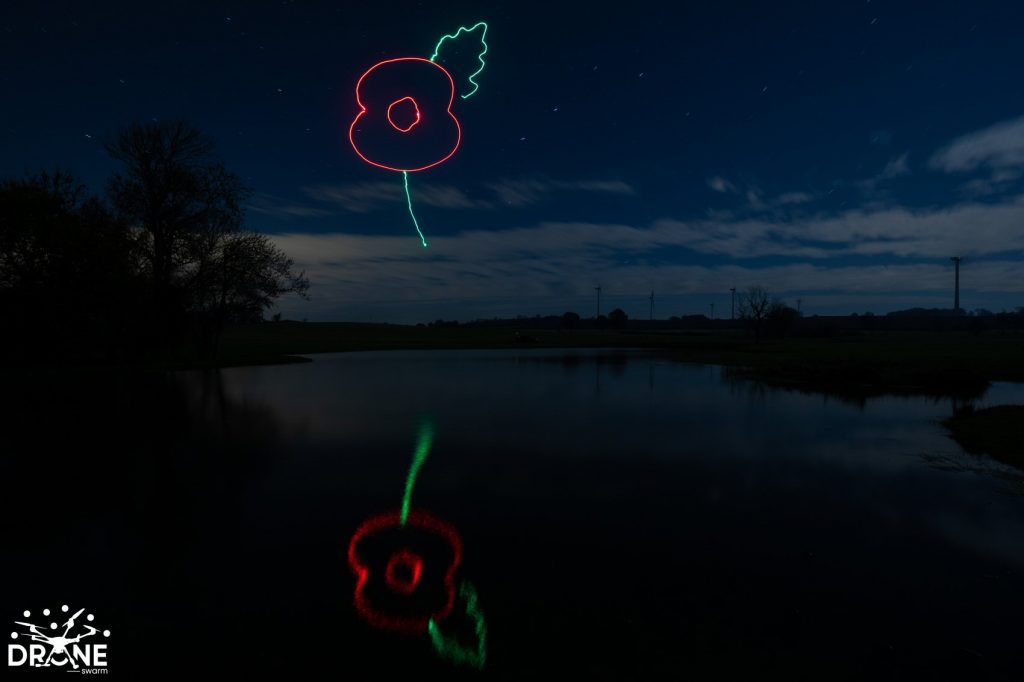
(449, 647)
(422, 450)
(408, 200)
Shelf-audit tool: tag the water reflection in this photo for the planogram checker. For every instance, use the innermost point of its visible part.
(857, 396)
(667, 515)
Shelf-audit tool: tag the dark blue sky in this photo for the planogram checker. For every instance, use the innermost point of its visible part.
(835, 152)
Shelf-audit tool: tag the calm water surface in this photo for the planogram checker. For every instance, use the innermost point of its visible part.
(623, 516)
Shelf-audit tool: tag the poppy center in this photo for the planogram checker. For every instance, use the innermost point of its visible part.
(403, 571)
(404, 114)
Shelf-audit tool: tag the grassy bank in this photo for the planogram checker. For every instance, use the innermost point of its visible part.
(996, 431)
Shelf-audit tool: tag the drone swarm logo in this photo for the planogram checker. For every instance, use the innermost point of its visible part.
(59, 644)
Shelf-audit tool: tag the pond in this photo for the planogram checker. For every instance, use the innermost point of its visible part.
(622, 515)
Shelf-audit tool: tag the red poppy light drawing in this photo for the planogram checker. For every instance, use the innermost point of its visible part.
(405, 121)
(405, 563)
(374, 131)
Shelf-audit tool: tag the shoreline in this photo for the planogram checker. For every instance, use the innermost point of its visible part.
(994, 431)
(852, 368)
(955, 364)
(950, 363)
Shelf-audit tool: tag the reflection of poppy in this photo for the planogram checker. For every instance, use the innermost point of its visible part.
(423, 91)
(405, 573)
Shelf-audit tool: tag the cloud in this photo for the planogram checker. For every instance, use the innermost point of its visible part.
(754, 199)
(269, 204)
(896, 167)
(979, 229)
(720, 184)
(530, 191)
(358, 198)
(755, 196)
(368, 196)
(999, 146)
(445, 196)
(794, 198)
(364, 197)
(555, 262)
(881, 137)
(607, 186)
(998, 182)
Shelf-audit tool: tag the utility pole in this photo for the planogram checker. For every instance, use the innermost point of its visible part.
(712, 311)
(956, 290)
(598, 290)
(732, 313)
(798, 302)
(652, 305)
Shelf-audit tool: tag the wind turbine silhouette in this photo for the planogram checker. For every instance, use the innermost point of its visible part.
(956, 286)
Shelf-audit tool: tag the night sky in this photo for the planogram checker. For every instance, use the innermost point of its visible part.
(835, 152)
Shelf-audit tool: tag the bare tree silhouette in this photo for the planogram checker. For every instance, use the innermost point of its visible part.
(755, 304)
(186, 211)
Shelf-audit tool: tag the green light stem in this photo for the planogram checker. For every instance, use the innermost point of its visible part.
(426, 437)
(408, 200)
(483, 41)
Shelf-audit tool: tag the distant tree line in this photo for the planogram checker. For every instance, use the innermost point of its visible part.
(152, 270)
(763, 315)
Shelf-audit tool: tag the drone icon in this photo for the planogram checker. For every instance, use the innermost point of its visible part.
(59, 644)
